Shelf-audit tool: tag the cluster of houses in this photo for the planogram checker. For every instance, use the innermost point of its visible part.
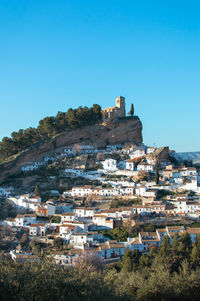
(87, 190)
(80, 227)
(94, 244)
(68, 152)
(146, 240)
(109, 165)
(5, 192)
(33, 203)
(187, 177)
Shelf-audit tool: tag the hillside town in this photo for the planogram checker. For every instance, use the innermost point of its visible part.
(127, 188)
(99, 150)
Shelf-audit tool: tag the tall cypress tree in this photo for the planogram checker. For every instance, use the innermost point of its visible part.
(157, 173)
(37, 190)
(131, 110)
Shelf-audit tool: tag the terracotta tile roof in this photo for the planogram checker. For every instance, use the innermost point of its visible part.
(135, 159)
(67, 226)
(150, 240)
(193, 230)
(19, 216)
(100, 215)
(178, 228)
(117, 245)
(80, 234)
(136, 241)
(107, 109)
(104, 246)
(162, 230)
(29, 215)
(37, 225)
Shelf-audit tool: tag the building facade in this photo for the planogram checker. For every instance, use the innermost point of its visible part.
(117, 111)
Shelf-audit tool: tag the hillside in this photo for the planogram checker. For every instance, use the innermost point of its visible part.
(192, 156)
(118, 131)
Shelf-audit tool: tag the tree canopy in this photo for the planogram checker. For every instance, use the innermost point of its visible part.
(49, 127)
(171, 272)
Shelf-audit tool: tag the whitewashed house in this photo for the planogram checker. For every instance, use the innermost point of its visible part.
(145, 167)
(103, 221)
(110, 165)
(150, 150)
(150, 193)
(191, 184)
(84, 212)
(33, 206)
(47, 209)
(38, 229)
(76, 172)
(62, 258)
(111, 249)
(32, 166)
(188, 172)
(68, 216)
(87, 149)
(138, 153)
(68, 151)
(67, 230)
(19, 220)
(77, 223)
(184, 206)
(140, 190)
(82, 191)
(130, 164)
(79, 239)
(149, 238)
(109, 192)
(134, 244)
(23, 220)
(62, 207)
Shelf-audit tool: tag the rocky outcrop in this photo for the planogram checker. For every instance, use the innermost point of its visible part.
(119, 131)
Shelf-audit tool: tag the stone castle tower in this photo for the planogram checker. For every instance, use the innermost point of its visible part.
(120, 103)
(117, 111)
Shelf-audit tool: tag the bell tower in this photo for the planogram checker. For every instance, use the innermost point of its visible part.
(120, 103)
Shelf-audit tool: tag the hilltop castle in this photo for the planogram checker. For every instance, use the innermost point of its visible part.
(117, 111)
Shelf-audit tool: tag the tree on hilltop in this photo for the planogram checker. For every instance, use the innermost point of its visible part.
(49, 127)
(131, 110)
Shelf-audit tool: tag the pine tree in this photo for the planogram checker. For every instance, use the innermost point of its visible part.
(195, 255)
(127, 262)
(165, 247)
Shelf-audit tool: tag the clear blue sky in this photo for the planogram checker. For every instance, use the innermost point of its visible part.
(60, 54)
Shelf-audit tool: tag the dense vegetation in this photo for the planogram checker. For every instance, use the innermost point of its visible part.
(49, 127)
(169, 273)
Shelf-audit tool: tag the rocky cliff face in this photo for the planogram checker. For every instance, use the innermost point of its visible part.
(127, 130)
